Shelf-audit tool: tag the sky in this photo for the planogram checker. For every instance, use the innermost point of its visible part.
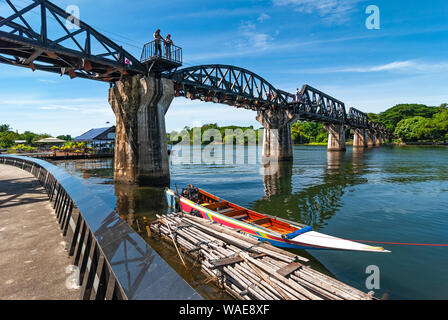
(322, 43)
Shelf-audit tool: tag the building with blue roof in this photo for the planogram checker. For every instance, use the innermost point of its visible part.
(101, 138)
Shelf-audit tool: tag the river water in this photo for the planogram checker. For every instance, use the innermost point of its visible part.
(387, 194)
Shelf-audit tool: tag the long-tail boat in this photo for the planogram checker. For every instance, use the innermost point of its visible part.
(277, 231)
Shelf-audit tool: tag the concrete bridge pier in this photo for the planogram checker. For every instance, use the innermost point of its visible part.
(277, 140)
(140, 104)
(360, 140)
(336, 137)
(371, 141)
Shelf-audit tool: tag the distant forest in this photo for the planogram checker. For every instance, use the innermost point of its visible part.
(8, 137)
(409, 122)
(416, 122)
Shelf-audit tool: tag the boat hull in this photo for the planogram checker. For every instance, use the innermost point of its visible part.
(311, 240)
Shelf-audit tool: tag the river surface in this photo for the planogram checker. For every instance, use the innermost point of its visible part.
(387, 194)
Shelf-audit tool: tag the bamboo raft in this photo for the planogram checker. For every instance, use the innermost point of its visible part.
(247, 268)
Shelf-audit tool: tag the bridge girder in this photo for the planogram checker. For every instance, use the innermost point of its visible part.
(229, 85)
(314, 105)
(86, 53)
(242, 88)
(82, 52)
(358, 119)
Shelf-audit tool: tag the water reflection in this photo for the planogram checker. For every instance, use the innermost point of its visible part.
(314, 205)
(138, 206)
(358, 158)
(98, 170)
(280, 182)
(133, 203)
(116, 240)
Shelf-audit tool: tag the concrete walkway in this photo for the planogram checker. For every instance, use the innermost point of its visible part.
(33, 258)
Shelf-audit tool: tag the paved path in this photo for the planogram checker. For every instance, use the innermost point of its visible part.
(33, 259)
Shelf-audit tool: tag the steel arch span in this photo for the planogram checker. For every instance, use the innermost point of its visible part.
(230, 85)
(242, 88)
(37, 36)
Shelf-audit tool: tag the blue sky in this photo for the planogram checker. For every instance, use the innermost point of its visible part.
(288, 42)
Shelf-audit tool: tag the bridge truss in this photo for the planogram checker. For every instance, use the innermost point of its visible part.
(241, 88)
(230, 85)
(42, 36)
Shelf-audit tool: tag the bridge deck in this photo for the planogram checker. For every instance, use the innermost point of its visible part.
(33, 258)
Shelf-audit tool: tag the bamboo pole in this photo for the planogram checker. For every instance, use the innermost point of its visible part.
(243, 276)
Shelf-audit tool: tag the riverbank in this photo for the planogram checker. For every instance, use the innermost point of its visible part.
(432, 144)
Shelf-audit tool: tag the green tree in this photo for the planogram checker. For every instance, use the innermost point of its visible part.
(7, 139)
(65, 137)
(416, 129)
(29, 137)
(391, 117)
(5, 128)
(308, 132)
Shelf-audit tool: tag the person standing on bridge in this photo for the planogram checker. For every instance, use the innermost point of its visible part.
(298, 95)
(157, 42)
(168, 44)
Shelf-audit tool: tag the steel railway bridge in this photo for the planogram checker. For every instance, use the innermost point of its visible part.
(38, 35)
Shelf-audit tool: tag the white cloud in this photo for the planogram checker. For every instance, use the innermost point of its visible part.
(253, 38)
(263, 17)
(332, 11)
(397, 65)
(408, 67)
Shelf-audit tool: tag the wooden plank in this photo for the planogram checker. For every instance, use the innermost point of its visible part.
(233, 260)
(224, 211)
(236, 213)
(216, 205)
(290, 268)
(261, 221)
(239, 217)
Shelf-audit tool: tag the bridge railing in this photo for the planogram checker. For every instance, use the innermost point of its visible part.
(113, 261)
(54, 48)
(155, 50)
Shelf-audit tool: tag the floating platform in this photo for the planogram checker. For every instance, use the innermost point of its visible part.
(247, 268)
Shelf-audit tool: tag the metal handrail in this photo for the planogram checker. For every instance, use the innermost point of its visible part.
(107, 251)
(159, 49)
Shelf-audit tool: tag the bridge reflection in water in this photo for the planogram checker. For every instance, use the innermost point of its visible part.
(138, 206)
(313, 205)
(317, 204)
